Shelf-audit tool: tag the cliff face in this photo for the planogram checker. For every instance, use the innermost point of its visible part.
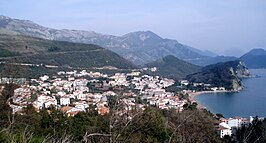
(228, 75)
(242, 71)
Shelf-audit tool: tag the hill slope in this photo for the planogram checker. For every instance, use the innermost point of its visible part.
(36, 51)
(212, 60)
(255, 58)
(172, 67)
(138, 47)
(226, 75)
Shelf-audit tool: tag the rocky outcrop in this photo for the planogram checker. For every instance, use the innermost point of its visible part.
(228, 75)
(242, 71)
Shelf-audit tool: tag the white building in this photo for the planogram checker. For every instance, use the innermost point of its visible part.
(44, 101)
(50, 102)
(64, 101)
(237, 122)
(44, 78)
(234, 122)
(224, 129)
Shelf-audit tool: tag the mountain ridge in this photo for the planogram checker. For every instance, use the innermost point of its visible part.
(137, 47)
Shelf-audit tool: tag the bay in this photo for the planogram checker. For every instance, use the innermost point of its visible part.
(249, 102)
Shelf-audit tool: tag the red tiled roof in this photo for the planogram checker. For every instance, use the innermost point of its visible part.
(103, 110)
(73, 113)
(222, 128)
(237, 117)
(66, 108)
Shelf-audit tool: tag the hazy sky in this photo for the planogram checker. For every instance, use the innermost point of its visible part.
(229, 27)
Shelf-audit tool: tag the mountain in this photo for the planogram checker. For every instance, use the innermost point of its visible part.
(255, 58)
(21, 48)
(139, 47)
(204, 53)
(226, 75)
(172, 67)
(213, 60)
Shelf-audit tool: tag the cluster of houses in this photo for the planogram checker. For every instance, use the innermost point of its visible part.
(202, 86)
(229, 126)
(153, 91)
(71, 92)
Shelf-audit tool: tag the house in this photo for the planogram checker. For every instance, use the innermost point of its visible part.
(214, 88)
(44, 78)
(81, 105)
(234, 122)
(184, 82)
(81, 96)
(154, 69)
(50, 102)
(102, 110)
(133, 74)
(224, 129)
(64, 101)
(237, 122)
(71, 111)
(44, 101)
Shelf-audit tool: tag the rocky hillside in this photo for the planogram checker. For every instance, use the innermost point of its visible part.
(21, 48)
(138, 47)
(255, 58)
(226, 75)
(172, 67)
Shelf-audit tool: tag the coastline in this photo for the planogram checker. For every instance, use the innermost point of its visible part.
(192, 96)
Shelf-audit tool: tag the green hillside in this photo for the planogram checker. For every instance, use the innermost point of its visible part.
(39, 51)
(172, 67)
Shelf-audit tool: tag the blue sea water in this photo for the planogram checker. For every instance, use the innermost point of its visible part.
(249, 102)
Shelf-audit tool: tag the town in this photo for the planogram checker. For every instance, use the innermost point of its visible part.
(73, 92)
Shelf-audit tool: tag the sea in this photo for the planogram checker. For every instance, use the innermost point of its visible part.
(251, 101)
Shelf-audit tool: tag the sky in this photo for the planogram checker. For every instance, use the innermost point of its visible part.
(226, 27)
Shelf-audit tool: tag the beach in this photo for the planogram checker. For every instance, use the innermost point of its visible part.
(192, 96)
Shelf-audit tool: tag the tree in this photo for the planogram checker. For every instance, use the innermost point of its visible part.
(255, 132)
(192, 126)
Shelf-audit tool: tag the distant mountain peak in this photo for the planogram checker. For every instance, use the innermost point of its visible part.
(255, 58)
(148, 32)
(257, 52)
(143, 35)
(4, 17)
